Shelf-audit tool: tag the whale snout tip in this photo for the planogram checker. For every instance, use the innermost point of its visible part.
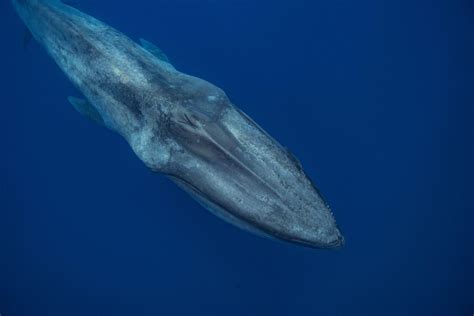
(331, 238)
(338, 241)
(334, 239)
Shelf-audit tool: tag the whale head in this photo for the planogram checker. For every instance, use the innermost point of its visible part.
(235, 169)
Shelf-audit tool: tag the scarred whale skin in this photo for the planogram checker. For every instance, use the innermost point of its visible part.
(183, 127)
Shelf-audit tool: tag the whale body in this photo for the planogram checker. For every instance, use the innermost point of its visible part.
(183, 127)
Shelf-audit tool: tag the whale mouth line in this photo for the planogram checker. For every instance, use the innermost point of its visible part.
(335, 244)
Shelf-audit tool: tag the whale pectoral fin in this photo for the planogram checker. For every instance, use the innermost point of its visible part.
(152, 48)
(88, 110)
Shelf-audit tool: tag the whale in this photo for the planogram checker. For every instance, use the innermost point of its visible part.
(183, 127)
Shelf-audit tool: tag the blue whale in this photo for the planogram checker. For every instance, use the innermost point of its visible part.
(183, 127)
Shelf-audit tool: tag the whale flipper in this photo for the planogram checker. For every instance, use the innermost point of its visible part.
(88, 110)
(152, 48)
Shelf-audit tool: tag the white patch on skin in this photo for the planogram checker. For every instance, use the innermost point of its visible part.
(154, 155)
(212, 98)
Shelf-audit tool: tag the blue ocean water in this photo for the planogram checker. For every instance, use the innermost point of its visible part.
(374, 97)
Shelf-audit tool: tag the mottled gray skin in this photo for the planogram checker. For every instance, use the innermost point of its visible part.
(185, 128)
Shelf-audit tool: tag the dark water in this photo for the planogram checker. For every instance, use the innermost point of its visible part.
(375, 98)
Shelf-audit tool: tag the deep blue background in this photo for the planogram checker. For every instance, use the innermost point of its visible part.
(376, 99)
